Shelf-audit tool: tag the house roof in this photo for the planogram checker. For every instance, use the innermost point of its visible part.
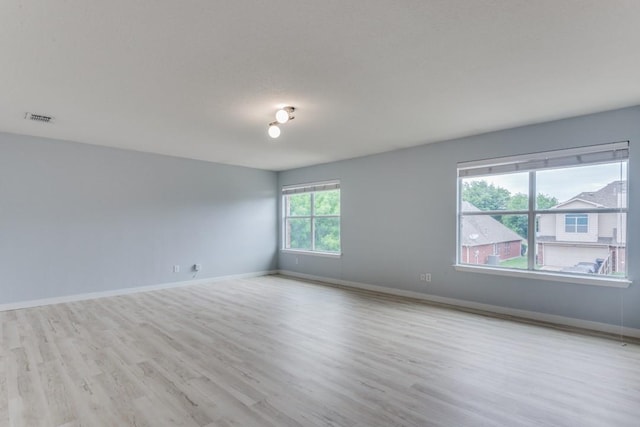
(606, 197)
(480, 230)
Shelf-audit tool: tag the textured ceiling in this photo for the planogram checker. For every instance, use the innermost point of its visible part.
(201, 78)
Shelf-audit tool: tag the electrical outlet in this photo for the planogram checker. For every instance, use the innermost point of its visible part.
(425, 277)
(176, 269)
(297, 261)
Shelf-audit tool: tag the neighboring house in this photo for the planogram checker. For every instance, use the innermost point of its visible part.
(567, 239)
(485, 240)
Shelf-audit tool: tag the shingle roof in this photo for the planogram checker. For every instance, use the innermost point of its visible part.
(483, 229)
(606, 197)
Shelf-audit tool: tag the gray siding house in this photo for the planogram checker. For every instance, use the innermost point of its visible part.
(567, 239)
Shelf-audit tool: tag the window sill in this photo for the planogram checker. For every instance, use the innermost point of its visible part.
(541, 275)
(312, 253)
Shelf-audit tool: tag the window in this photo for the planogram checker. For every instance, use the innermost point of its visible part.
(562, 212)
(312, 217)
(576, 223)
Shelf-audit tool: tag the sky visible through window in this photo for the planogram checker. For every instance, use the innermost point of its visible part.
(561, 183)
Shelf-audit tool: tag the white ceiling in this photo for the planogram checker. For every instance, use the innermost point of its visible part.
(202, 78)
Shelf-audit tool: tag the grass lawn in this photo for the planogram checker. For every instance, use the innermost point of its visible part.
(520, 262)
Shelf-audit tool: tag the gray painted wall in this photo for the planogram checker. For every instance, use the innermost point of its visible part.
(77, 218)
(399, 219)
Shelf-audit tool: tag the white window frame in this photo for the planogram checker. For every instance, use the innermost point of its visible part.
(575, 227)
(595, 154)
(312, 189)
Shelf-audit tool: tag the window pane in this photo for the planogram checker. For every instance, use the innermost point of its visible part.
(298, 204)
(327, 202)
(327, 232)
(298, 233)
(592, 186)
(499, 243)
(499, 192)
(576, 223)
(582, 243)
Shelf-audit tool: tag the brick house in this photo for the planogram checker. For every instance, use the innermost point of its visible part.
(485, 240)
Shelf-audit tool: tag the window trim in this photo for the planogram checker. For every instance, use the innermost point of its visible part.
(605, 153)
(312, 189)
(312, 253)
(546, 275)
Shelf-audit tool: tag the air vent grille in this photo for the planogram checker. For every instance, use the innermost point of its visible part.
(39, 118)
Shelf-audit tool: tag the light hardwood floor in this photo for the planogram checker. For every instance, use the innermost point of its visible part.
(273, 351)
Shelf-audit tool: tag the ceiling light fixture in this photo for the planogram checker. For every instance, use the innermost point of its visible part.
(283, 115)
(274, 130)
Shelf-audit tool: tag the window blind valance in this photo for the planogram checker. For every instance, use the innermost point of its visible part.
(309, 188)
(603, 153)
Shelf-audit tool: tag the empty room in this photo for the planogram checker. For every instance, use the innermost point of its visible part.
(365, 213)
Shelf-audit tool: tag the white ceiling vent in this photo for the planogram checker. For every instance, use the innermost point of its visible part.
(39, 118)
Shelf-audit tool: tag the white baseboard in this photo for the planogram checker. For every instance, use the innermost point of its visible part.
(525, 314)
(127, 291)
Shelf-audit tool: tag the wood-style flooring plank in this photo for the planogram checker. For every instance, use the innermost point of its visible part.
(273, 351)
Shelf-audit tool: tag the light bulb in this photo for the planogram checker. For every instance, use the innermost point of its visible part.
(282, 116)
(274, 131)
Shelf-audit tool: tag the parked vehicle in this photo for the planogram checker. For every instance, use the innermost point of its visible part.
(583, 267)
